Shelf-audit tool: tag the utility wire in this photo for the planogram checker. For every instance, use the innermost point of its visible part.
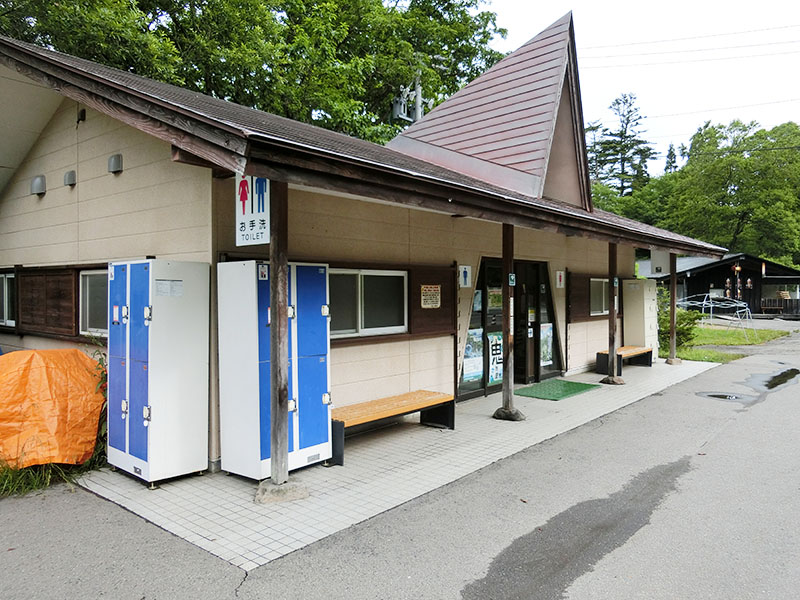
(695, 37)
(718, 48)
(683, 62)
(695, 112)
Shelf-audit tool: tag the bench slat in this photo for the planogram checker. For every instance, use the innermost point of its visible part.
(628, 351)
(374, 410)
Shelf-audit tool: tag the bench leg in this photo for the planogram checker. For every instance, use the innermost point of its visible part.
(601, 367)
(643, 359)
(443, 415)
(602, 364)
(337, 444)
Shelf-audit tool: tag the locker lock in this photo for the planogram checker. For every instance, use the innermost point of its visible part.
(148, 315)
(326, 398)
(124, 314)
(146, 415)
(292, 405)
(124, 407)
(290, 312)
(326, 311)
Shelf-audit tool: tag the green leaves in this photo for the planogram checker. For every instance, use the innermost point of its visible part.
(618, 157)
(739, 188)
(337, 63)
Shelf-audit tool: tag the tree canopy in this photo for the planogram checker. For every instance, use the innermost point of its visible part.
(337, 63)
(739, 188)
(618, 156)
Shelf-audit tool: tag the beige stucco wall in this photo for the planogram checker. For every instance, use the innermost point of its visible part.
(334, 228)
(154, 207)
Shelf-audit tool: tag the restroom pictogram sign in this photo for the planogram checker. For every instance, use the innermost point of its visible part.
(252, 210)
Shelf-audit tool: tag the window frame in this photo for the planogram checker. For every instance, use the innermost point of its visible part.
(606, 283)
(5, 321)
(360, 330)
(87, 331)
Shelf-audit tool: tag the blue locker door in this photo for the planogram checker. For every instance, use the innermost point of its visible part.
(117, 301)
(137, 430)
(263, 303)
(313, 377)
(139, 300)
(312, 325)
(264, 408)
(117, 377)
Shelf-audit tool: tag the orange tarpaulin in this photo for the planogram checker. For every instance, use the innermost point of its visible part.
(49, 407)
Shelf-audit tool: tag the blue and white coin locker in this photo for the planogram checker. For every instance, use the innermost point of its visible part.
(244, 366)
(158, 367)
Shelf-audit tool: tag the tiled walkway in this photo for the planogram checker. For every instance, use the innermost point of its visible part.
(383, 469)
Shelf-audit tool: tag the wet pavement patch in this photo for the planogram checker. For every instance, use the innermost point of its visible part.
(743, 399)
(781, 378)
(771, 381)
(543, 563)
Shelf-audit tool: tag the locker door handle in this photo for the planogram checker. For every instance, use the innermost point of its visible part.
(146, 415)
(148, 315)
(125, 314)
(292, 405)
(124, 407)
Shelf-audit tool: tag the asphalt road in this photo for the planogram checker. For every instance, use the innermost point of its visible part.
(678, 496)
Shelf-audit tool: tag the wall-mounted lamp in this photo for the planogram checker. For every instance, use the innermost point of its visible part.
(115, 163)
(70, 178)
(39, 185)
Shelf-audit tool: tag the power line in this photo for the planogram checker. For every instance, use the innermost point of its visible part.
(745, 150)
(695, 112)
(696, 37)
(683, 62)
(692, 50)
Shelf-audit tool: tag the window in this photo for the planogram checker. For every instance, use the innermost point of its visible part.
(365, 302)
(94, 303)
(598, 295)
(65, 301)
(8, 299)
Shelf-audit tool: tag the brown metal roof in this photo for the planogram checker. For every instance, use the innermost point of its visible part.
(234, 136)
(506, 115)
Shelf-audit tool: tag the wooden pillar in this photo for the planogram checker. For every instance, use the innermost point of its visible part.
(279, 331)
(613, 293)
(673, 309)
(507, 412)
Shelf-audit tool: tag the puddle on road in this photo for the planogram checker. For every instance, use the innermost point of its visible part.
(782, 378)
(762, 383)
(770, 381)
(743, 399)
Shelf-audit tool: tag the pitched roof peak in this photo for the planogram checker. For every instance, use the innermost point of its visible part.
(506, 119)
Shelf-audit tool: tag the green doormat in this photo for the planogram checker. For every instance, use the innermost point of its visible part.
(555, 389)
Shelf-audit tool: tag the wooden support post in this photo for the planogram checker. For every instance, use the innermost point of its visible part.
(613, 294)
(507, 412)
(673, 309)
(279, 331)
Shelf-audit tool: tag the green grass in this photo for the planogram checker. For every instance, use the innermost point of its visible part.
(36, 477)
(712, 336)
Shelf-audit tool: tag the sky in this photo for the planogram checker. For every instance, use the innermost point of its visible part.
(686, 62)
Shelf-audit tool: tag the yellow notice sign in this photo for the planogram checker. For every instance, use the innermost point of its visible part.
(431, 296)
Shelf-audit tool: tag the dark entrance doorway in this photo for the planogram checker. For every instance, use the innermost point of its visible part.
(537, 354)
(536, 351)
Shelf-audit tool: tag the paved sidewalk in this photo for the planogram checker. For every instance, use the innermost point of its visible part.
(383, 469)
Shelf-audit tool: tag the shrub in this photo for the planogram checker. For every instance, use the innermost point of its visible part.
(685, 322)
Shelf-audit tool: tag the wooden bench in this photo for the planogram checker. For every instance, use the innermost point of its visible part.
(636, 355)
(435, 408)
